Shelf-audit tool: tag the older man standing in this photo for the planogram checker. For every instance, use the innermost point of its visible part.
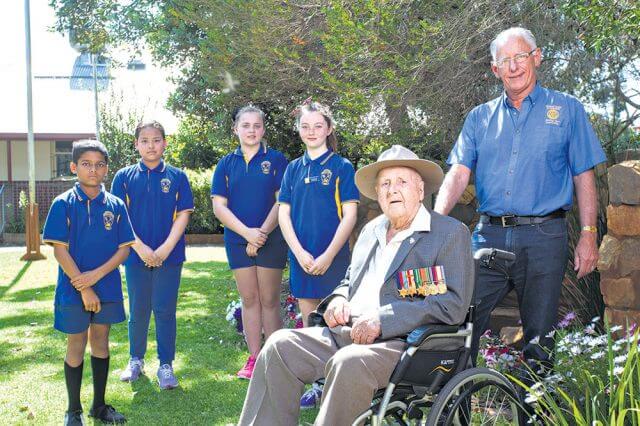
(528, 148)
(357, 358)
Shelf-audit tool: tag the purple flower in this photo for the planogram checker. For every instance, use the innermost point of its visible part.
(567, 320)
(237, 315)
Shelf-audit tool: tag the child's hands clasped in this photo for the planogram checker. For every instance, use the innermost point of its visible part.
(305, 260)
(252, 251)
(85, 280)
(320, 264)
(90, 300)
(256, 237)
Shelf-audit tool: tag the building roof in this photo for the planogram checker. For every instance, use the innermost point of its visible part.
(63, 101)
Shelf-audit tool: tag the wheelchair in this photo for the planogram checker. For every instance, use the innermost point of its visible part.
(442, 384)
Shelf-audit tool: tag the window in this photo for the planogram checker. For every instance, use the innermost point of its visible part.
(62, 158)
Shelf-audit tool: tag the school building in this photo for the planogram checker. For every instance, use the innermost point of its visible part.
(63, 101)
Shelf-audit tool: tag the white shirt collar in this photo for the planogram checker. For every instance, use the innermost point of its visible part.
(421, 222)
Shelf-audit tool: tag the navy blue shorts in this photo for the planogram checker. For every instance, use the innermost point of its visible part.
(73, 319)
(271, 255)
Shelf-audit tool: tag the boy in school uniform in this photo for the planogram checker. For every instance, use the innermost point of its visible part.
(159, 200)
(90, 232)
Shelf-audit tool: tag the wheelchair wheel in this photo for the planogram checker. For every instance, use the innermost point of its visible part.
(477, 396)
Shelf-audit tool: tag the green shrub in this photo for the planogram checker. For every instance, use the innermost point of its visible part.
(202, 220)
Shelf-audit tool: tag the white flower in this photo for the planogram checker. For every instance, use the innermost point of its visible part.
(550, 334)
(595, 319)
(618, 370)
(619, 359)
(615, 328)
(616, 347)
(535, 340)
(597, 355)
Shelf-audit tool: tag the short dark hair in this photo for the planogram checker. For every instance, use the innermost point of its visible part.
(149, 125)
(85, 145)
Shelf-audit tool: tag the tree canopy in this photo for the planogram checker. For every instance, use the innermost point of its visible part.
(394, 71)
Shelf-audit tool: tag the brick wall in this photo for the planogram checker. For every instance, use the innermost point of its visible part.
(46, 191)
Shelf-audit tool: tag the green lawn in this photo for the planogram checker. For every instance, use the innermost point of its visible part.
(209, 351)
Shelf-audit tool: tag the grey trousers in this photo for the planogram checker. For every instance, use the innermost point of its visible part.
(292, 358)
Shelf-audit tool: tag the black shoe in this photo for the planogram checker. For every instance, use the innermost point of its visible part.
(107, 414)
(74, 418)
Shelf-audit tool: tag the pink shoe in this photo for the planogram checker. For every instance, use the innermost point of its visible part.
(247, 371)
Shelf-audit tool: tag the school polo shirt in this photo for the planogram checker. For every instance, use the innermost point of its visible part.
(316, 190)
(93, 230)
(525, 160)
(153, 198)
(249, 187)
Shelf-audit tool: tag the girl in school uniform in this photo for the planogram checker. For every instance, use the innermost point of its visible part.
(318, 209)
(244, 191)
(159, 201)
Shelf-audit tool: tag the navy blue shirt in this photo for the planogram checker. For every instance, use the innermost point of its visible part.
(249, 187)
(93, 231)
(525, 160)
(153, 198)
(316, 190)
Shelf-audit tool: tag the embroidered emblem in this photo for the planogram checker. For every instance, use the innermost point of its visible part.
(412, 240)
(553, 114)
(107, 219)
(325, 176)
(266, 167)
(421, 282)
(165, 184)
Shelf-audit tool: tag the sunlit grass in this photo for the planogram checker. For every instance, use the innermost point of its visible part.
(209, 351)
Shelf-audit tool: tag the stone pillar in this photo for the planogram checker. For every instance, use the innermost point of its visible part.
(619, 263)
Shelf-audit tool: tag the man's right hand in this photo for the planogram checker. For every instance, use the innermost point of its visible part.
(90, 300)
(338, 312)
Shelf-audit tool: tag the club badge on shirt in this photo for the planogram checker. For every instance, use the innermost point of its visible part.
(421, 282)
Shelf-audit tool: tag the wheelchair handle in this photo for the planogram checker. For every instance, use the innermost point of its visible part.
(490, 254)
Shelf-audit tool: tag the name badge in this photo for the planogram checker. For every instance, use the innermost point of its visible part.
(421, 282)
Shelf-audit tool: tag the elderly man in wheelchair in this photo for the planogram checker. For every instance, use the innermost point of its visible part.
(393, 332)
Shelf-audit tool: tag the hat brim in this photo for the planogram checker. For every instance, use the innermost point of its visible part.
(430, 172)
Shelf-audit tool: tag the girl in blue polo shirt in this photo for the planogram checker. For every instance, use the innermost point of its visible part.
(244, 191)
(159, 201)
(318, 209)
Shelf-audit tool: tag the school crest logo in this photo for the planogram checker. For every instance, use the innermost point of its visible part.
(553, 114)
(107, 219)
(165, 184)
(266, 167)
(325, 176)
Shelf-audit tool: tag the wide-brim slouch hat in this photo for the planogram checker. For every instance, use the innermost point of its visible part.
(399, 156)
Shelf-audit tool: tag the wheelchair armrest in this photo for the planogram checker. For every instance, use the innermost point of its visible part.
(420, 334)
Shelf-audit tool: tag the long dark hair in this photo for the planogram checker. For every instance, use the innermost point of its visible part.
(332, 140)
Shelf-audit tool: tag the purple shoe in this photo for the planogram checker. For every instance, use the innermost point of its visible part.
(312, 397)
(166, 378)
(134, 369)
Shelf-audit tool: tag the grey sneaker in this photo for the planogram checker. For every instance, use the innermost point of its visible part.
(166, 378)
(134, 369)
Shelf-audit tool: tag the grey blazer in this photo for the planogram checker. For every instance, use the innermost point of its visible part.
(447, 244)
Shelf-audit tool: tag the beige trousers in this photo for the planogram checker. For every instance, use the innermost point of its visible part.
(292, 358)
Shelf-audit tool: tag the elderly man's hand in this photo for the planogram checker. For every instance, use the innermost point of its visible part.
(586, 254)
(366, 329)
(338, 312)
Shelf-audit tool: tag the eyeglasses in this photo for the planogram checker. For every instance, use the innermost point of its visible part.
(518, 59)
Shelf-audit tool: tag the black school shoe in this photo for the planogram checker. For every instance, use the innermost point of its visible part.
(107, 414)
(74, 418)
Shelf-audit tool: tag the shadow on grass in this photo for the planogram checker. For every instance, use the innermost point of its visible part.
(32, 294)
(15, 279)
